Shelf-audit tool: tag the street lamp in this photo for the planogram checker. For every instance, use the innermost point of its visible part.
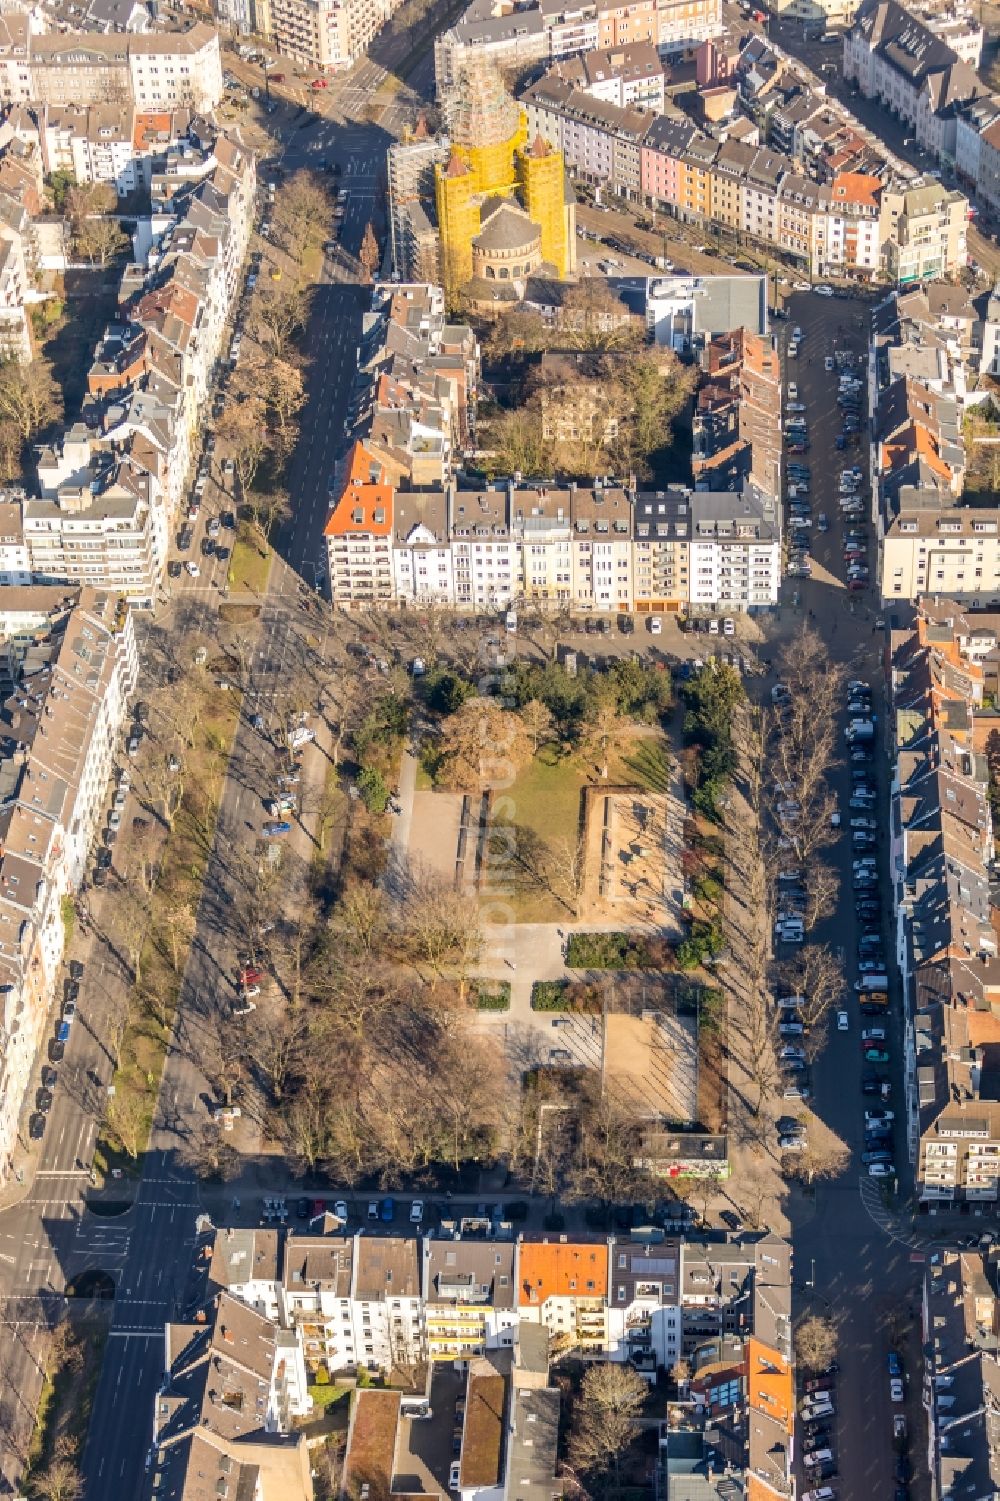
(811, 1280)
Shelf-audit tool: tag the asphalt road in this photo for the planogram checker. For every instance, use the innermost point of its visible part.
(845, 1263)
(50, 1237)
(156, 1269)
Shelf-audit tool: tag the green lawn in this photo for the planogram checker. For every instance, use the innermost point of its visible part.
(248, 571)
(546, 795)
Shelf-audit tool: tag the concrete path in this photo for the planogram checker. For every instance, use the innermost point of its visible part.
(399, 842)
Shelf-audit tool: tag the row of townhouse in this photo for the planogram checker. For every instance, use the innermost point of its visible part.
(70, 669)
(960, 1315)
(159, 70)
(115, 144)
(580, 547)
(932, 357)
(110, 488)
(516, 36)
(384, 1301)
(941, 742)
(853, 224)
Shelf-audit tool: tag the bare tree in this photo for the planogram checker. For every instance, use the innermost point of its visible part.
(208, 1154)
(242, 427)
(604, 1420)
(275, 1045)
(442, 925)
(128, 1119)
(179, 912)
(604, 732)
(823, 1158)
(822, 892)
(361, 918)
(816, 1343)
(817, 975)
(537, 721)
(608, 1163)
(28, 397)
(59, 1481)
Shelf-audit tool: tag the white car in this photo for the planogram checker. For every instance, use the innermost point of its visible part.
(896, 1393)
(793, 391)
(801, 286)
(193, 569)
(416, 1211)
(795, 406)
(728, 627)
(843, 1022)
(823, 291)
(340, 1209)
(655, 626)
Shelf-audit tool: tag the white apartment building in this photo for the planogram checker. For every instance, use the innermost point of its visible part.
(423, 568)
(115, 539)
(15, 561)
(316, 1297)
(326, 34)
(683, 24)
(163, 70)
(629, 76)
(96, 144)
(953, 552)
(387, 1303)
(15, 334)
(734, 558)
(644, 1303)
(247, 1263)
(570, 26)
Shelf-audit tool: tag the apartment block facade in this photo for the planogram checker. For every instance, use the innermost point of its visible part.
(650, 1300)
(111, 486)
(931, 352)
(72, 666)
(164, 70)
(942, 856)
(589, 549)
(840, 221)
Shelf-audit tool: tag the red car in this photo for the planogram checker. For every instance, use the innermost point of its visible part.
(318, 83)
(250, 976)
(856, 584)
